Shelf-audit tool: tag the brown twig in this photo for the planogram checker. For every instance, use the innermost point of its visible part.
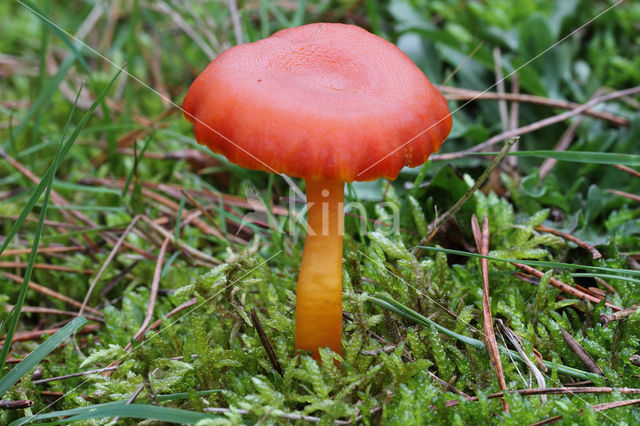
(464, 61)
(514, 116)
(47, 266)
(137, 134)
(72, 375)
(153, 293)
(598, 407)
(555, 391)
(113, 253)
(70, 214)
(47, 222)
(537, 125)
(633, 197)
(628, 170)
(235, 20)
(24, 336)
(273, 358)
(50, 293)
(454, 93)
(174, 311)
(448, 386)
(176, 190)
(584, 356)
(42, 250)
(482, 243)
(606, 285)
(502, 104)
(595, 254)
(57, 198)
(198, 223)
(206, 214)
(115, 364)
(616, 316)
(435, 225)
(204, 257)
(114, 282)
(51, 311)
(565, 287)
(16, 405)
(563, 143)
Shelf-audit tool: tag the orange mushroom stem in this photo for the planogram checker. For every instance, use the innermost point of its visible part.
(319, 296)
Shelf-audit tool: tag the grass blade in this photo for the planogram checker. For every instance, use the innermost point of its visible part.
(74, 47)
(39, 353)
(577, 156)
(385, 301)
(541, 263)
(14, 315)
(35, 195)
(123, 410)
(185, 395)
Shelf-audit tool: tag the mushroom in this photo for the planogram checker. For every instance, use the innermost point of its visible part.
(329, 103)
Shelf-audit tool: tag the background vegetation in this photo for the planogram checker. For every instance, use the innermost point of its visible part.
(100, 172)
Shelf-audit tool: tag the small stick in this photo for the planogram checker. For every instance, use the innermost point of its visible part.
(107, 288)
(616, 316)
(217, 231)
(436, 224)
(16, 405)
(198, 223)
(115, 364)
(555, 391)
(280, 415)
(514, 114)
(115, 249)
(52, 311)
(606, 285)
(153, 292)
(482, 243)
(565, 287)
(50, 293)
(597, 407)
(174, 311)
(502, 103)
(584, 356)
(458, 94)
(25, 336)
(563, 143)
(633, 197)
(628, 170)
(45, 266)
(202, 256)
(537, 125)
(175, 191)
(69, 376)
(235, 20)
(448, 386)
(42, 250)
(595, 254)
(265, 341)
(46, 222)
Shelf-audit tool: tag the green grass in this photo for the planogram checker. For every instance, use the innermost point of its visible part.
(105, 142)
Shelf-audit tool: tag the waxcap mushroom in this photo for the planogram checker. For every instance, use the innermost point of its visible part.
(329, 103)
(319, 102)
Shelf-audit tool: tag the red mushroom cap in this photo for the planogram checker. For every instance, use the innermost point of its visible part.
(320, 101)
